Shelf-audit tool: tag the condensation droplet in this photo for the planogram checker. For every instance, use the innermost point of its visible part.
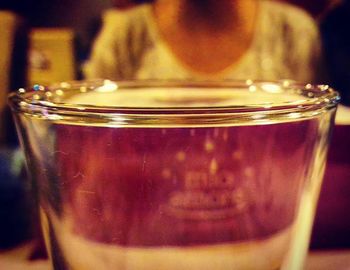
(237, 155)
(216, 132)
(248, 172)
(225, 136)
(180, 156)
(213, 168)
(209, 146)
(166, 173)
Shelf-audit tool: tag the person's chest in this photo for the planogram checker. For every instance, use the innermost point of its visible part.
(260, 62)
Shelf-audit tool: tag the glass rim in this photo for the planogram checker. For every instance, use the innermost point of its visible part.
(38, 101)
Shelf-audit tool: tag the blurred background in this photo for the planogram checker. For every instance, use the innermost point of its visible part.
(48, 41)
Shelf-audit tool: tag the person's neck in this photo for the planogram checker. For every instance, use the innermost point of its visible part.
(210, 15)
(206, 35)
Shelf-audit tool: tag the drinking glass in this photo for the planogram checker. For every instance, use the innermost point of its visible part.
(176, 175)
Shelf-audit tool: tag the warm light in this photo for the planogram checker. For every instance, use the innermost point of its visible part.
(308, 86)
(83, 89)
(294, 115)
(59, 92)
(324, 87)
(258, 116)
(249, 82)
(252, 88)
(65, 85)
(107, 87)
(267, 105)
(271, 88)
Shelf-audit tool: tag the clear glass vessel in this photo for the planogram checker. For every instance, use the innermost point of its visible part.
(176, 175)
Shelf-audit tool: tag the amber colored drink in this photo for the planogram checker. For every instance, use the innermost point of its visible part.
(180, 186)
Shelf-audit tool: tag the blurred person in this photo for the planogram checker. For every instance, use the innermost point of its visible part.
(335, 34)
(204, 40)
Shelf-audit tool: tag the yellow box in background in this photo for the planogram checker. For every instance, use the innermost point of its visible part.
(52, 56)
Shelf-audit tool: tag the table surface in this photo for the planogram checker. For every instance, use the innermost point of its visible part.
(317, 260)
